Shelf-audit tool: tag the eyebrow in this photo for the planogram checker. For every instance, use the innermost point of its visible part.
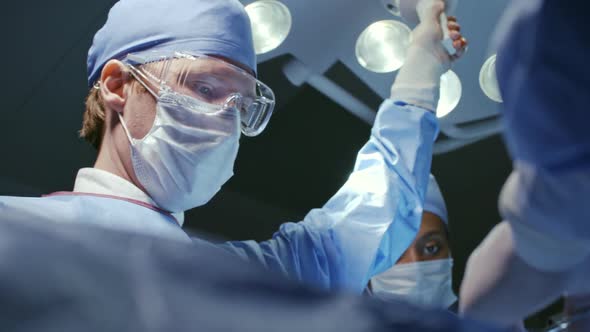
(224, 80)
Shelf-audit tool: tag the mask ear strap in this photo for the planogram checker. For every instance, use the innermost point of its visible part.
(131, 139)
(135, 75)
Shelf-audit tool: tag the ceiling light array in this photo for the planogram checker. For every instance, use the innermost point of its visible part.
(380, 48)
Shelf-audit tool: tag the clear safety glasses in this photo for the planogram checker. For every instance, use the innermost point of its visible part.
(208, 79)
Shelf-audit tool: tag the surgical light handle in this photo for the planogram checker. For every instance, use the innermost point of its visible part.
(447, 41)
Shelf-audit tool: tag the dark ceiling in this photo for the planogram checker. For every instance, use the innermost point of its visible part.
(305, 154)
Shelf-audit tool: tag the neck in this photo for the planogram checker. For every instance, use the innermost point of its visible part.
(107, 160)
(112, 157)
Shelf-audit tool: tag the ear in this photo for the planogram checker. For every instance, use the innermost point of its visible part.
(113, 79)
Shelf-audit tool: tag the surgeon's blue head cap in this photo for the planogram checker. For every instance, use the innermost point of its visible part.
(434, 201)
(212, 27)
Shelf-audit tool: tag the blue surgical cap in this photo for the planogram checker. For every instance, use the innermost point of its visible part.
(434, 201)
(213, 27)
(543, 75)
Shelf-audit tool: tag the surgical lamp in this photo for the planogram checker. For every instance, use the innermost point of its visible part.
(271, 23)
(382, 46)
(488, 80)
(355, 35)
(450, 93)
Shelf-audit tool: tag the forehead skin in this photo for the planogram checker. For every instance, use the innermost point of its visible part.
(432, 227)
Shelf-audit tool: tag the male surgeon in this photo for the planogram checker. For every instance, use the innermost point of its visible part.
(173, 88)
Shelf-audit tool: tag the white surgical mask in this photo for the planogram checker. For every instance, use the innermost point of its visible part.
(188, 154)
(425, 284)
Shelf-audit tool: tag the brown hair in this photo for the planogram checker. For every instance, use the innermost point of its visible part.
(93, 123)
(94, 117)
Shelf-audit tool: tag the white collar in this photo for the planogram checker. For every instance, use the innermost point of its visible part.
(96, 181)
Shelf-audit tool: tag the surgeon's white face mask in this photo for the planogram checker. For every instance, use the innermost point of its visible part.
(188, 154)
(425, 284)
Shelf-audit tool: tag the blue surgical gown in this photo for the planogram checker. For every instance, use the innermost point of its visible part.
(362, 230)
(80, 277)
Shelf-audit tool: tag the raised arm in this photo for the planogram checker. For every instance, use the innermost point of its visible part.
(373, 218)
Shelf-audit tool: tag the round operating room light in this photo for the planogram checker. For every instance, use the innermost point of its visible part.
(271, 23)
(450, 93)
(382, 46)
(488, 80)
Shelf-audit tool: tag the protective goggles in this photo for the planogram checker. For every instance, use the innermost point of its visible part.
(208, 79)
